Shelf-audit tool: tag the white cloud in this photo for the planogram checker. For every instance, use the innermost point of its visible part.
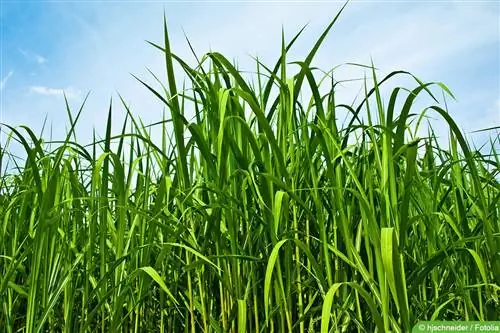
(47, 91)
(31, 56)
(5, 79)
(39, 59)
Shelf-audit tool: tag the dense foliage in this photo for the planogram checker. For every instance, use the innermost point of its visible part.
(260, 214)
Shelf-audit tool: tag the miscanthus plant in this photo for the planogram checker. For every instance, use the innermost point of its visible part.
(262, 213)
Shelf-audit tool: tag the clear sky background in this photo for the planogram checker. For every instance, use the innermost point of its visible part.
(48, 47)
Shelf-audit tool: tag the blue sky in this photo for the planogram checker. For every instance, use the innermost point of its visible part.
(91, 46)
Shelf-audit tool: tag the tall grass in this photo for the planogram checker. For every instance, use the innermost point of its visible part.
(261, 214)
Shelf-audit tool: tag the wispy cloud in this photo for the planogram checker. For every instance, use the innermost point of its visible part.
(5, 79)
(56, 92)
(31, 56)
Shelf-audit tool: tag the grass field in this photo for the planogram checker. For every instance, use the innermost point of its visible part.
(262, 213)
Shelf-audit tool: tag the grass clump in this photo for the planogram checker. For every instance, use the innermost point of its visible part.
(261, 214)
